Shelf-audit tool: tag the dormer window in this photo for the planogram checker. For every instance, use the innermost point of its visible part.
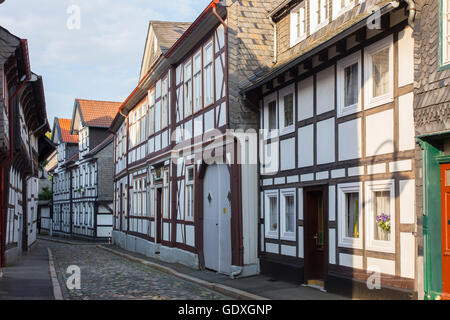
(342, 6)
(298, 23)
(319, 14)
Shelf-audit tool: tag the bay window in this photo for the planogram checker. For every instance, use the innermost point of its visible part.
(271, 214)
(349, 85)
(187, 89)
(198, 82)
(298, 23)
(380, 215)
(208, 73)
(189, 206)
(379, 66)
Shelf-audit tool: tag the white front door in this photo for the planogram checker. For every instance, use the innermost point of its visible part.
(216, 219)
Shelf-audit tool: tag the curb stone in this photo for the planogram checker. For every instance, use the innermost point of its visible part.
(226, 290)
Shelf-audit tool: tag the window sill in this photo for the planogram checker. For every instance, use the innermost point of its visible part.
(379, 101)
(381, 246)
(296, 41)
(289, 236)
(318, 27)
(286, 130)
(348, 110)
(272, 235)
(350, 243)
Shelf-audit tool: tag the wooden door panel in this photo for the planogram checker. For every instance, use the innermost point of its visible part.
(445, 230)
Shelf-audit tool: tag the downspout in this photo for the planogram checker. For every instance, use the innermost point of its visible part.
(4, 164)
(411, 8)
(275, 35)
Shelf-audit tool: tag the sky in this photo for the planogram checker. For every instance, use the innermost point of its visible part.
(89, 49)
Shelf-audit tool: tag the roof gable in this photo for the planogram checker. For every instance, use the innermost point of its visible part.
(160, 38)
(93, 113)
(63, 132)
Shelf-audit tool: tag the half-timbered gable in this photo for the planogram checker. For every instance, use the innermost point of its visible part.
(336, 173)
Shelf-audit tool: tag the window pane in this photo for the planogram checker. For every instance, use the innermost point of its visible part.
(382, 215)
(272, 115)
(351, 85)
(290, 214)
(273, 210)
(352, 215)
(289, 110)
(380, 65)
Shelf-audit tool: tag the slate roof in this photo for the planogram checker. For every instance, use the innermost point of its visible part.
(100, 146)
(64, 127)
(97, 113)
(168, 32)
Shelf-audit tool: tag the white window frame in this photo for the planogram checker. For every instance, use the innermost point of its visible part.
(281, 125)
(338, 10)
(190, 183)
(343, 189)
(287, 235)
(267, 195)
(371, 243)
(187, 93)
(299, 12)
(165, 103)
(151, 103)
(315, 6)
(166, 194)
(197, 83)
(208, 71)
(267, 100)
(343, 110)
(370, 101)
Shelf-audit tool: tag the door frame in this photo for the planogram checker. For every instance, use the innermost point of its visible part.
(306, 248)
(445, 221)
(158, 215)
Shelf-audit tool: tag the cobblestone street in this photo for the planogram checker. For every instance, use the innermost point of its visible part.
(107, 276)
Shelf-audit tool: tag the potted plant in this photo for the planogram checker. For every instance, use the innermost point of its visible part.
(384, 226)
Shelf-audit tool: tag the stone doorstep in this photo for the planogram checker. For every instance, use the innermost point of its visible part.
(226, 290)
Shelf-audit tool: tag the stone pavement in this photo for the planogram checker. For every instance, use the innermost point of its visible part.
(260, 285)
(29, 278)
(106, 276)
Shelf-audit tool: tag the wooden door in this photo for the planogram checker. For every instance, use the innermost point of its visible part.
(158, 221)
(315, 237)
(445, 229)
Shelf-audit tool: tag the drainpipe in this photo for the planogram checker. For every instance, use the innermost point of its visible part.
(4, 164)
(275, 35)
(412, 12)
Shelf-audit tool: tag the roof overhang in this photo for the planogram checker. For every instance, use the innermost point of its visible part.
(45, 148)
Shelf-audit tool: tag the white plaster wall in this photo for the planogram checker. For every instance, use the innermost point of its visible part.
(190, 235)
(385, 266)
(300, 203)
(305, 98)
(380, 133)
(405, 57)
(407, 255)
(287, 156)
(325, 132)
(350, 260)
(272, 248)
(407, 201)
(332, 245)
(288, 250)
(300, 242)
(406, 123)
(305, 146)
(350, 140)
(325, 90)
(332, 203)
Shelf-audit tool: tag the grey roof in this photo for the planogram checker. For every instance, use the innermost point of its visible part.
(168, 32)
(8, 44)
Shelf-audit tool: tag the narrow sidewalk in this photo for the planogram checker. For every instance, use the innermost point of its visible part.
(29, 278)
(256, 287)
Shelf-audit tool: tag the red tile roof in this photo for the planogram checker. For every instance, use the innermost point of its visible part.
(98, 113)
(64, 125)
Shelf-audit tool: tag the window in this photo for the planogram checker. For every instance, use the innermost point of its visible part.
(189, 207)
(165, 104)
(208, 73)
(187, 89)
(198, 82)
(349, 85)
(151, 125)
(166, 195)
(380, 215)
(342, 6)
(288, 214)
(379, 63)
(286, 110)
(318, 14)
(298, 23)
(349, 210)
(271, 214)
(158, 116)
(445, 36)
(270, 114)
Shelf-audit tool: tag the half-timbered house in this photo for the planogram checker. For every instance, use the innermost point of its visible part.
(67, 150)
(337, 181)
(23, 121)
(174, 198)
